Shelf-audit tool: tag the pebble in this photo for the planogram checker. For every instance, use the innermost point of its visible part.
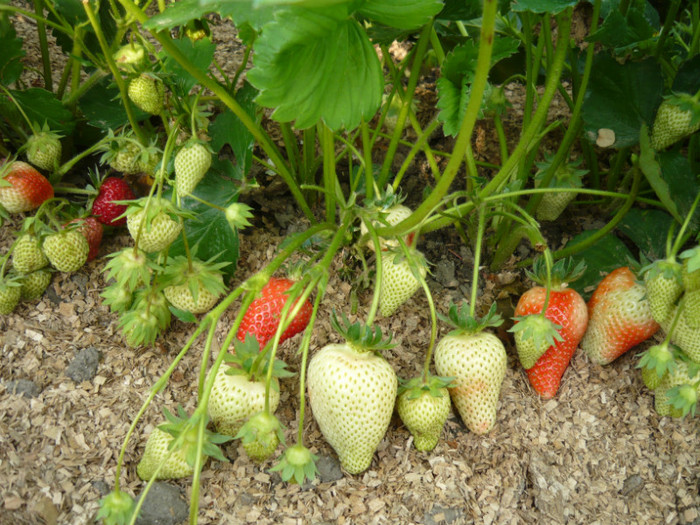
(23, 387)
(83, 367)
(439, 515)
(328, 469)
(164, 505)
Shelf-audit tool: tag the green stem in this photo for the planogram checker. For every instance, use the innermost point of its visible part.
(481, 226)
(681, 233)
(43, 44)
(329, 173)
(667, 27)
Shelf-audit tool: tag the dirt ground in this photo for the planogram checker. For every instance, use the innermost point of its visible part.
(596, 454)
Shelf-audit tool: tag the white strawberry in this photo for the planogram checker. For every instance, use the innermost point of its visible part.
(352, 392)
(477, 361)
(399, 282)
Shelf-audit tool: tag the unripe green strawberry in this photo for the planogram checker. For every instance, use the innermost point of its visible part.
(691, 310)
(671, 124)
(181, 298)
(392, 215)
(10, 292)
(34, 284)
(147, 93)
(27, 255)
(690, 273)
(157, 449)
(260, 436)
(148, 316)
(398, 281)
(677, 377)
(66, 250)
(193, 285)
(664, 285)
(130, 57)
(191, 165)
(651, 379)
(554, 203)
(235, 398)
(684, 335)
(477, 361)
(424, 410)
(352, 391)
(158, 230)
(44, 150)
(655, 363)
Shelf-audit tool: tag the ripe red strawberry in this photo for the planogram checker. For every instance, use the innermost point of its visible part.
(620, 317)
(263, 315)
(92, 230)
(566, 309)
(23, 188)
(103, 207)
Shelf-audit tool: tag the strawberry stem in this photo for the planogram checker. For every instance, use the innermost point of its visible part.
(481, 226)
(680, 240)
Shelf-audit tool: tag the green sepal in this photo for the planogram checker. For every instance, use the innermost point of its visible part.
(684, 398)
(660, 358)
(563, 271)
(130, 268)
(116, 508)
(297, 465)
(243, 361)
(693, 257)
(361, 336)
(185, 427)
(416, 386)
(463, 322)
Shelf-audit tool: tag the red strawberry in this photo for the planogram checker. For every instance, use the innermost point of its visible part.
(566, 309)
(620, 317)
(263, 315)
(92, 230)
(23, 188)
(112, 189)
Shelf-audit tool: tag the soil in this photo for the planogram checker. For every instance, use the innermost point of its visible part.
(596, 453)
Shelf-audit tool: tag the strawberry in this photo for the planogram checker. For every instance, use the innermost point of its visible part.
(147, 317)
(191, 164)
(399, 280)
(675, 119)
(476, 359)
(10, 293)
(22, 188)
(239, 389)
(44, 150)
(423, 406)
(193, 285)
(104, 208)
(690, 273)
(92, 230)
(263, 315)
(620, 317)
(389, 214)
(260, 436)
(352, 391)
(691, 310)
(131, 57)
(554, 203)
(158, 229)
(27, 255)
(161, 461)
(34, 284)
(116, 508)
(566, 309)
(534, 335)
(683, 334)
(147, 93)
(656, 361)
(664, 285)
(683, 380)
(66, 250)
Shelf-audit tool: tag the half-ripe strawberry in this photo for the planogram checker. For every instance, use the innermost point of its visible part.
(66, 250)
(352, 391)
(263, 315)
(477, 361)
(104, 207)
(92, 230)
(399, 278)
(566, 309)
(191, 164)
(620, 317)
(27, 255)
(22, 188)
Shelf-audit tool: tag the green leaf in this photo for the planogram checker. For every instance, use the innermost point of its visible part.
(317, 64)
(102, 106)
(42, 106)
(682, 183)
(10, 65)
(209, 229)
(200, 53)
(402, 14)
(621, 97)
(606, 255)
(625, 33)
(180, 13)
(458, 71)
(242, 12)
(228, 129)
(460, 10)
(687, 78)
(647, 229)
(183, 315)
(552, 7)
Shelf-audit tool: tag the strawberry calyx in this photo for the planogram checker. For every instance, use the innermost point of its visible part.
(247, 360)
(196, 274)
(534, 335)
(297, 464)
(416, 386)
(684, 398)
(261, 435)
(130, 268)
(564, 271)
(361, 337)
(147, 317)
(461, 318)
(660, 359)
(184, 430)
(565, 176)
(238, 215)
(116, 508)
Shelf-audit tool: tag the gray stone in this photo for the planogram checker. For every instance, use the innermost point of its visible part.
(328, 469)
(101, 487)
(632, 485)
(23, 387)
(164, 505)
(83, 367)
